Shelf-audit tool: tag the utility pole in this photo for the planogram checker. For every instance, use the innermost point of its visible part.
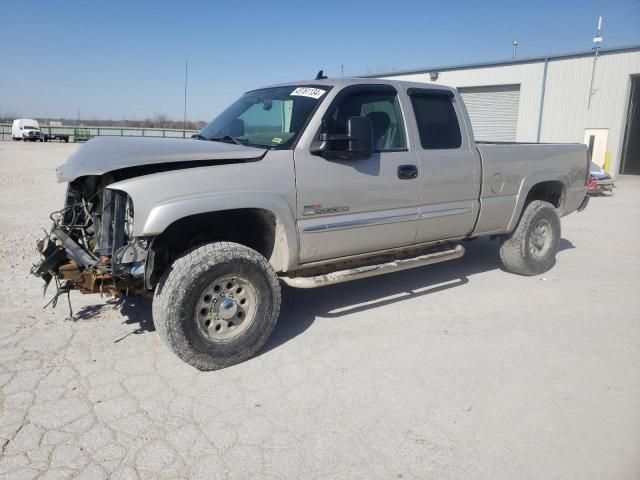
(184, 119)
(515, 49)
(597, 40)
(342, 69)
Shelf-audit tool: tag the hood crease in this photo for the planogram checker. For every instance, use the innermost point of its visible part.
(103, 155)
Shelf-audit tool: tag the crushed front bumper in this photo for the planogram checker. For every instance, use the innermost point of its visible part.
(71, 266)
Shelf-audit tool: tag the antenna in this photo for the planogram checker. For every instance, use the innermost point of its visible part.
(320, 76)
(597, 40)
(515, 49)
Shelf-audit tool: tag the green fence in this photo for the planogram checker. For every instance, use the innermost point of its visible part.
(5, 131)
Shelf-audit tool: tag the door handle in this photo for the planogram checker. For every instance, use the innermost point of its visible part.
(407, 172)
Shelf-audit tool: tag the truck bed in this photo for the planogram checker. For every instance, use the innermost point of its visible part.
(510, 169)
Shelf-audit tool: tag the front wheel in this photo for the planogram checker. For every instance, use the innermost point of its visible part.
(532, 247)
(217, 305)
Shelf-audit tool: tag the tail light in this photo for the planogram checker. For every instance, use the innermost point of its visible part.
(588, 174)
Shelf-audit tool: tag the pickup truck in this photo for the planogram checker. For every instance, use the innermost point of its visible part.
(305, 183)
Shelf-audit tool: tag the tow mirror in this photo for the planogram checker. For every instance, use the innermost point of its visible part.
(356, 144)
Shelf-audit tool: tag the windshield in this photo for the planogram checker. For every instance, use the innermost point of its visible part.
(269, 118)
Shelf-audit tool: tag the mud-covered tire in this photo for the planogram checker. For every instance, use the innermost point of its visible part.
(522, 251)
(180, 289)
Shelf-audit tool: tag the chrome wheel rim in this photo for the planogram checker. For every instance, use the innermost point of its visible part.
(540, 238)
(226, 308)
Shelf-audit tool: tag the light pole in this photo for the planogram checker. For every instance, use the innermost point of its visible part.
(184, 118)
(597, 40)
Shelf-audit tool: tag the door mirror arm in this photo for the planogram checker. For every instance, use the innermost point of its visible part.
(358, 140)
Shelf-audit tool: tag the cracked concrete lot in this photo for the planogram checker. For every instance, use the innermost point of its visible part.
(455, 371)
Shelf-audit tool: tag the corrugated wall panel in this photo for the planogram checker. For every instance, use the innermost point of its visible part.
(566, 109)
(528, 75)
(566, 113)
(493, 111)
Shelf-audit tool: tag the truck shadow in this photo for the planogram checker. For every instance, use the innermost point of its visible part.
(300, 307)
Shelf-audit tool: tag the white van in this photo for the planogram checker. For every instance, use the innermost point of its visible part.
(26, 129)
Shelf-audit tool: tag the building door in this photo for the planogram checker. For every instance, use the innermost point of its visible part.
(596, 139)
(493, 111)
(631, 146)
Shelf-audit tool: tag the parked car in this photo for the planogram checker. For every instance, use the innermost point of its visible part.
(599, 180)
(61, 137)
(26, 129)
(308, 184)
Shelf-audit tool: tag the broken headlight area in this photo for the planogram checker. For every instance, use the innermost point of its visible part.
(91, 246)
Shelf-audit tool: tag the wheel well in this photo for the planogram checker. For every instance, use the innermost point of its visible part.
(551, 191)
(252, 227)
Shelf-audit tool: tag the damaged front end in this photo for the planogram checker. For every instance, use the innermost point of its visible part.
(90, 246)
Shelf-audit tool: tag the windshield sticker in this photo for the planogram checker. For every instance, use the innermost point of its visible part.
(276, 140)
(308, 92)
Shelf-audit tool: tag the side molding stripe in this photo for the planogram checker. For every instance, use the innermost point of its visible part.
(444, 213)
(362, 223)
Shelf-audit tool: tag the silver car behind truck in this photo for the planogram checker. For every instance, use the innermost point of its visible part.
(307, 183)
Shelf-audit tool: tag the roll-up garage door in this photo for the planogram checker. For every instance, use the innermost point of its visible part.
(493, 111)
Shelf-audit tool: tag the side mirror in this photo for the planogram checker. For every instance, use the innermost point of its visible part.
(356, 144)
(235, 128)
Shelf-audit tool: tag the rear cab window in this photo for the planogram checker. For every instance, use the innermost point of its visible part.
(436, 119)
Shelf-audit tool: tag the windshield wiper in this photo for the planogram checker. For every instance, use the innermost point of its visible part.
(197, 136)
(227, 139)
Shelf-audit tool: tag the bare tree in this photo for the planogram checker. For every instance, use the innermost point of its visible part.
(161, 120)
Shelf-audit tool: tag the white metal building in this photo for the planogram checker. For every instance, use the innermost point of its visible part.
(546, 99)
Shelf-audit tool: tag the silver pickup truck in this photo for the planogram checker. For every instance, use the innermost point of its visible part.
(307, 183)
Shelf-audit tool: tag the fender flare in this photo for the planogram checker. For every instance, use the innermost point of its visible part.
(527, 184)
(162, 215)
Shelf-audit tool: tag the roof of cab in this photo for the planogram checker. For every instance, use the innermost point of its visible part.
(347, 81)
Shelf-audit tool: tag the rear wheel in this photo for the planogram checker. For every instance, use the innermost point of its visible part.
(532, 247)
(217, 305)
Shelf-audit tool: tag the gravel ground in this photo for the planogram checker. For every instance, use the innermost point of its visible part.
(455, 371)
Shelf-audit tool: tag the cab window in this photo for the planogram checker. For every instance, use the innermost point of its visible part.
(438, 125)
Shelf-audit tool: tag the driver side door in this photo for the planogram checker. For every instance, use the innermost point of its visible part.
(350, 207)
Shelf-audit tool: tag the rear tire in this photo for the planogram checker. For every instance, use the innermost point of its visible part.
(217, 305)
(532, 247)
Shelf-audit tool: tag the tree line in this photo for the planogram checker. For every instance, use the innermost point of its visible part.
(159, 120)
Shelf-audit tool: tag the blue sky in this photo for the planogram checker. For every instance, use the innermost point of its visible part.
(117, 59)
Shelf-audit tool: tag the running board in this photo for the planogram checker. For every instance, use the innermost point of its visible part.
(373, 270)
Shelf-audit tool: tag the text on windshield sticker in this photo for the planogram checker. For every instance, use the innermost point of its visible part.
(308, 92)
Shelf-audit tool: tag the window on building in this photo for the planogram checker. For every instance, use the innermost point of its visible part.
(437, 121)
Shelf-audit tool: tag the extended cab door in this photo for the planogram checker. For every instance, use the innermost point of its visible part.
(449, 165)
(347, 207)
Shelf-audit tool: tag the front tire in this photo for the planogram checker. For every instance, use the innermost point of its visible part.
(532, 247)
(217, 305)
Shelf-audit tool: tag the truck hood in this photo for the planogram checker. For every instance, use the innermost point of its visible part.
(102, 155)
